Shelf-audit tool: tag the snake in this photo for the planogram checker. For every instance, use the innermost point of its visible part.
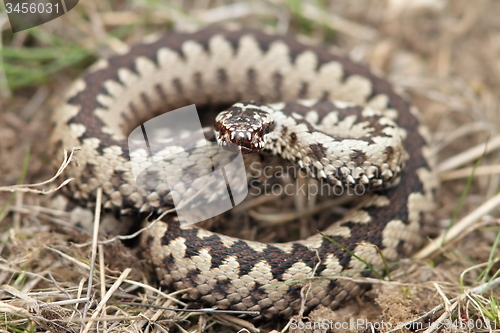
(283, 96)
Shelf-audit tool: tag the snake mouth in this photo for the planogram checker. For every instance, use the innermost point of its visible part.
(234, 148)
(246, 143)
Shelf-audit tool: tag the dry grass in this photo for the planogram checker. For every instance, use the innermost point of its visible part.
(445, 54)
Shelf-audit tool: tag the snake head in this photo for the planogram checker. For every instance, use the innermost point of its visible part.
(244, 127)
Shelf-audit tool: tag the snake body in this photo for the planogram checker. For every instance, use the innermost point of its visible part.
(335, 120)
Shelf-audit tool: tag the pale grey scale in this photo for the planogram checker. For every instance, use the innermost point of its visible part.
(182, 68)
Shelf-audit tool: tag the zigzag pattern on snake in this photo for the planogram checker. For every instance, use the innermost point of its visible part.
(373, 138)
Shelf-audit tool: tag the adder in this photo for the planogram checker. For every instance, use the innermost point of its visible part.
(318, 110)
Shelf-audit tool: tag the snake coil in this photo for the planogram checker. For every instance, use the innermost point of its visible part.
(336, 120)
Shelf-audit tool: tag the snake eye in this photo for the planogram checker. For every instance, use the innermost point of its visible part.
(218, 126)
(269, 128)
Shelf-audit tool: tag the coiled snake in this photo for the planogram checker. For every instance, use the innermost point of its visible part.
(333, 118)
